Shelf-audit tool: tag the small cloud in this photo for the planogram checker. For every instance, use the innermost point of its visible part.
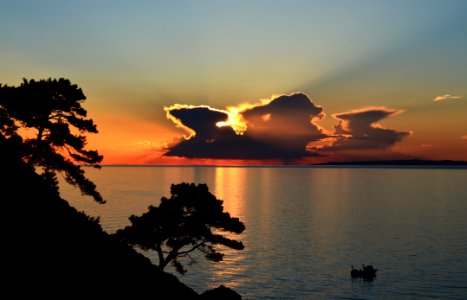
(446, 97)
(464, 137)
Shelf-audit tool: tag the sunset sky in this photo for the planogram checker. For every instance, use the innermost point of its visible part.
(299, 81)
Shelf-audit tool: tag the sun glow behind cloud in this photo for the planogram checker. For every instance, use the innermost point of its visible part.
(236, 119)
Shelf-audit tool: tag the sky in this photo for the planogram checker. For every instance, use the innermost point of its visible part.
(252, 82)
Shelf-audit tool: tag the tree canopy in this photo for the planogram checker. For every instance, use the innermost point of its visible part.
(191, 219)
(54, 126)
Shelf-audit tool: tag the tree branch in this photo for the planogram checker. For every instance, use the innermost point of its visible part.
(184, 253)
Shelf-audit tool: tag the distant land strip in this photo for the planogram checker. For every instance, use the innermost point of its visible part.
(373, 163)
(408, 162)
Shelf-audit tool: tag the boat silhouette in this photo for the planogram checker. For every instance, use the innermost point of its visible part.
(366, 272)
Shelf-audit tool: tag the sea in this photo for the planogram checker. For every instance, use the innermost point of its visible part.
(306, 227)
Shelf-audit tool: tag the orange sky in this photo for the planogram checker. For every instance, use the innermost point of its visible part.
(124, 139)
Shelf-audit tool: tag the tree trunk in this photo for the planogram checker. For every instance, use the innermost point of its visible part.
(37, 150)
(161, 257)
(171, 256)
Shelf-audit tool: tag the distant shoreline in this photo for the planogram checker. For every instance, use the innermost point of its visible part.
(416, 163)
(398, 163)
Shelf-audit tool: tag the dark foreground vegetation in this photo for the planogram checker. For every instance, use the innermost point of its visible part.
(50, 250)
(192, 219)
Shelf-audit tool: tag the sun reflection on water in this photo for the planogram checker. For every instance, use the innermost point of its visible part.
(229, 186)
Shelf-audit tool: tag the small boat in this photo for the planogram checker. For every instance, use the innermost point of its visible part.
(366, 272)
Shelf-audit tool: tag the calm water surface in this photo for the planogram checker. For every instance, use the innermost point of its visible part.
(305, 227)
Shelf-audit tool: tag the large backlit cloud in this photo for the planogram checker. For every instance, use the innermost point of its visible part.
(281, 128)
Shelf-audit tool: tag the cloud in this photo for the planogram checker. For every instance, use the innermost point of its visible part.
(358, 130)
(464, 137)
(280, 128)
(200, 121)
(446, 97)
(287, 121)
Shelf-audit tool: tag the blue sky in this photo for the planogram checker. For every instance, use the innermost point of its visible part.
(134, 57)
